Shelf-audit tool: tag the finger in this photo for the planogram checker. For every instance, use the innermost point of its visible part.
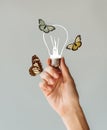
(53, 72)
(47, 77)
(49, 61)
(46, 89)
(64, 69)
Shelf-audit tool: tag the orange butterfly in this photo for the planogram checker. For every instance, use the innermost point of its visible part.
(77, 43)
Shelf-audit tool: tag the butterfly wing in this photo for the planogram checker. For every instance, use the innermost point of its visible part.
(69, 46)
(78, 41)
(50, 27)
(41, 22)
(74, 47)
(46, 30)
(42, 25)
(31, 71)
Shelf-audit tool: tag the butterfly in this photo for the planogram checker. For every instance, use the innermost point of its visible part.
(76, 44)
(36, 67)
(44, 27)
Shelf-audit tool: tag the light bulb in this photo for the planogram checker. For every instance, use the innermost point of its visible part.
(55, 42)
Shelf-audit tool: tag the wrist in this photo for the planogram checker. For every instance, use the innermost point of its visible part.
(70, 111)
(75, 119)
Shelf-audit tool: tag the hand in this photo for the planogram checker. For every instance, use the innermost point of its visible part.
(59, 88)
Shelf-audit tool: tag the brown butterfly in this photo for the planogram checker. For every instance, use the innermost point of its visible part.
(36, 67)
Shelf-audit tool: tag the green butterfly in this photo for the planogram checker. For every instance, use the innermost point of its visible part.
(44, 27)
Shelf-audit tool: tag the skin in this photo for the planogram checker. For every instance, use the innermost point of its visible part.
(60, 91)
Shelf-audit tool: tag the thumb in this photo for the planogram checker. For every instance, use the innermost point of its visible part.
(48, 61)
(64, 69)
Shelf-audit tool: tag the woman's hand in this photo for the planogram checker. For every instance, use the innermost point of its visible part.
(59, 88)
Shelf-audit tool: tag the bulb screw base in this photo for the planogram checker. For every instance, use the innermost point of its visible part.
(55, 62)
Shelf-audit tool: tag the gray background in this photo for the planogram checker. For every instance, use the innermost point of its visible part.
(22, 104)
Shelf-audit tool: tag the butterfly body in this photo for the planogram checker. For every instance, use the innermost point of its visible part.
(36, 67)
(76, 44)
(44, 27)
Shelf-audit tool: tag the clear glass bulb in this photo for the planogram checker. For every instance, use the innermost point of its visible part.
(55, 42)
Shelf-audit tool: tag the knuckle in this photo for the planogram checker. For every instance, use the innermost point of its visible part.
(44, 75)
(48, 69)
(52, 71)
